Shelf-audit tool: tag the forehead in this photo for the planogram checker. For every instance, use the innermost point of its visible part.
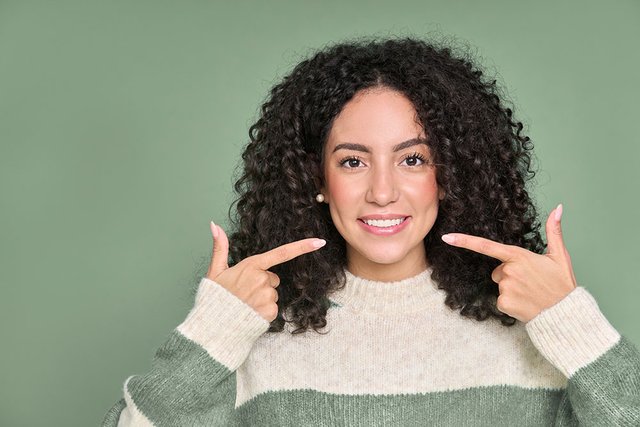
(378, 119)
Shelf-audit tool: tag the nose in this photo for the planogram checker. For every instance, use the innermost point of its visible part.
(382, 187)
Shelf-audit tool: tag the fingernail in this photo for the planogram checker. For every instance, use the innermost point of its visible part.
(558, 213)
(214, 230)
(448, 238)
(318, 243)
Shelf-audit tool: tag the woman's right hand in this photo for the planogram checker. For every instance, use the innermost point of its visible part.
(249, 279)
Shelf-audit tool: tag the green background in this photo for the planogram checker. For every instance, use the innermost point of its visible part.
(121, 123)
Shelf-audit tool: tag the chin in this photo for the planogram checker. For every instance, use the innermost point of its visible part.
(384, 257)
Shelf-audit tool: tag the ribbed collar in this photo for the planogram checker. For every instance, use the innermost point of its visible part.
(413, 294)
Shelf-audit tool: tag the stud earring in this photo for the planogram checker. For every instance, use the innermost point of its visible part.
(320, 198)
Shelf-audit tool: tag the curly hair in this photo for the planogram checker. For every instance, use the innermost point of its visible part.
(482, 156)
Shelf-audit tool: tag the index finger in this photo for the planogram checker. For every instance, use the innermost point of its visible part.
(484, 246)
(287, 252)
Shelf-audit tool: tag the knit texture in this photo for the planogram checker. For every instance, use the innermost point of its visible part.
(392, 354)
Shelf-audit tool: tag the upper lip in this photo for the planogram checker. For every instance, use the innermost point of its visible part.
(383, 216)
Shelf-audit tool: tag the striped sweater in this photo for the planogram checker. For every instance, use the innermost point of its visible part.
(391, 354)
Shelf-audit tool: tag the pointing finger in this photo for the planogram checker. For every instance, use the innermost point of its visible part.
(287, 252)
(484, 246)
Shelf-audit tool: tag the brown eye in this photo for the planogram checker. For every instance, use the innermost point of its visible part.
(411, 159)
(351, 161)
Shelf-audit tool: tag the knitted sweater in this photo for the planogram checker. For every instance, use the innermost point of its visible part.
(392, 354)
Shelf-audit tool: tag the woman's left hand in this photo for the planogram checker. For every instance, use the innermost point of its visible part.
(527, 282)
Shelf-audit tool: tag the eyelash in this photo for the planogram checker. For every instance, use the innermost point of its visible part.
(414, 155)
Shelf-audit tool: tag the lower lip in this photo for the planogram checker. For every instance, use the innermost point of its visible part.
(386, 231)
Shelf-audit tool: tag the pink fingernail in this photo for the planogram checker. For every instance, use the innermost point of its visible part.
(558, 213)
(448, 238)
(214, 230)
(318, 243)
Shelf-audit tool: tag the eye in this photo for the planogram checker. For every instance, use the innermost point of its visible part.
(413, 157)
(351, 160)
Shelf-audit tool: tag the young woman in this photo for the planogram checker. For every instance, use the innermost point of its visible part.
(387, 268)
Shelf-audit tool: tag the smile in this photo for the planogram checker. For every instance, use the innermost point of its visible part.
(384, 222)
(385, 227)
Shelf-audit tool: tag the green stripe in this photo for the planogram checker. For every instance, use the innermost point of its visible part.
(491, 406)
(185, 386)
(605, 392)
(112, 416)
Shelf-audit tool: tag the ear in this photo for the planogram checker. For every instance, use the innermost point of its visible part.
(441, 193)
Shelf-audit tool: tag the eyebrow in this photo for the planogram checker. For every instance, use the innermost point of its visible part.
(366, 149)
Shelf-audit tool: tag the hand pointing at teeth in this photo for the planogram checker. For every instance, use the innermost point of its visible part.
(528, 282)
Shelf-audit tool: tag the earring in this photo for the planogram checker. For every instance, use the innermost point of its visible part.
(320, 198)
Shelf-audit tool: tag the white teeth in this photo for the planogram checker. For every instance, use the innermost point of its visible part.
(384, 222)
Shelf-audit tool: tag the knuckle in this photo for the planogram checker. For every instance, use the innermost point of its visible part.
(274, 279)
(520, 253)
(502, 303)
(272, 311)
(267, 295)
(265, 279)
(495, 276)
(266, 292)
(269, 292)
(249, 261)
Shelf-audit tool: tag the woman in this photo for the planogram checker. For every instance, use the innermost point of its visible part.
(386, 150)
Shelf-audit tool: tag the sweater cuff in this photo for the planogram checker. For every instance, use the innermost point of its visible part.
(224, 325)
(572, 333)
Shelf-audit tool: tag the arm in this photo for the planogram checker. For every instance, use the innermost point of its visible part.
(602, 367)
(192, 376)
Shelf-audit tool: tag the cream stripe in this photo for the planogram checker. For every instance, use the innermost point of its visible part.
(435, 350)
(573, 333)
(131, 415)
(222, 324)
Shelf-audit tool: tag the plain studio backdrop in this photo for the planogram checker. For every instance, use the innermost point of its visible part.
(121, 123)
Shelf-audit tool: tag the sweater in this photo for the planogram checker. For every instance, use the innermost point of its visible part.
(392, 354)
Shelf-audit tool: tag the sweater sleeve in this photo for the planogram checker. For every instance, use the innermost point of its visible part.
(602, 366)
(192, 375)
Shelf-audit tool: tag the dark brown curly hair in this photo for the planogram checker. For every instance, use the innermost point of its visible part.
(482, 160)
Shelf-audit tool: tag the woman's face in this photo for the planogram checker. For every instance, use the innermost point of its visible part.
(366, 177)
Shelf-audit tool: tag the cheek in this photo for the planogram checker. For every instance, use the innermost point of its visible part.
(343, 193)
(423, 190)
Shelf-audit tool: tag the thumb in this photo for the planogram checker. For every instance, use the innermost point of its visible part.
(555, 241)
(220, 253)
